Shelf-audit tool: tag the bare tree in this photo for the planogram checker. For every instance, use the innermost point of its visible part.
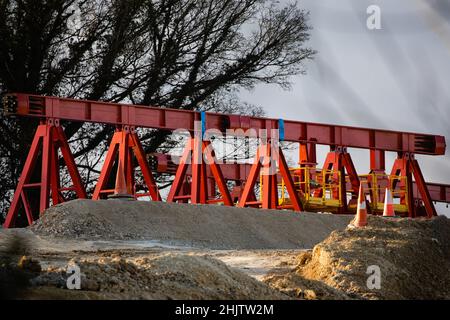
(185, 54)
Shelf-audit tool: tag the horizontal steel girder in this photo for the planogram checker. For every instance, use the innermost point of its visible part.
(171, 119)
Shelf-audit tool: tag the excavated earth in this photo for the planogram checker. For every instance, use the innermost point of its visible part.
(149, 250)
(412, 258)
(209, 226)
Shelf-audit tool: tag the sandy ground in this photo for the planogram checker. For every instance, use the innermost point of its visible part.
(159, 251)
(58, 252)
(54, 255)
(236, 247)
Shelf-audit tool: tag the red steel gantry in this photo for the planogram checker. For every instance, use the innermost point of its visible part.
(125, 145)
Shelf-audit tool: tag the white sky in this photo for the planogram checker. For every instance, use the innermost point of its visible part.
(394, 78)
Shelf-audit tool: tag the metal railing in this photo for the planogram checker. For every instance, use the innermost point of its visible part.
(323, 188)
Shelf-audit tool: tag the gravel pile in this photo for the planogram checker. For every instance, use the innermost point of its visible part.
(209, 226)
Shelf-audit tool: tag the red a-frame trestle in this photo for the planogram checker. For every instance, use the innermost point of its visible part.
(407, 166)
(339, 161)
(125, 142)
(195, 153)
(48, 140)
(266, 158)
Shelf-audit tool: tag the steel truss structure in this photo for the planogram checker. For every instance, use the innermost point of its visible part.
(205, 182)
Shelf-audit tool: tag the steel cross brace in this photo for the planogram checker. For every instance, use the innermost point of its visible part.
(48, 140)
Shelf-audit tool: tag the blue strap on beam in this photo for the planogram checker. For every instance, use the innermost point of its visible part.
(203, 119)
(281, 129)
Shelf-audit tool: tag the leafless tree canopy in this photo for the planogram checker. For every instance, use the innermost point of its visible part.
(186, 54)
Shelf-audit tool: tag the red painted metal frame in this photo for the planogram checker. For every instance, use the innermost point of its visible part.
(407, 166)
(377, 161)
(340, 162)
(172, 119)
(124, 144)
(266, 158)
(48, 139)
(239, 172)
(438, 192)
(194, 153)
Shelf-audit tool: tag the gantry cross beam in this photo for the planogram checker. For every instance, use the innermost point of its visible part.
(173, 119)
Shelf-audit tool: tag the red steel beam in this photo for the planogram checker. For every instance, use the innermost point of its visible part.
(438, 192)
(171, 119)
(163, 163)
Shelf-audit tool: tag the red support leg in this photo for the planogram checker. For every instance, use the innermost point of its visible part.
(48, 139)
(303, 154)
(180, 175)
(67, 155)
(273, 192)
(246, 197)
(377, 161)
(219, 180)
(266, 192)
(124, 144)
(402, 168)
(27, 207)
(45, 172)
(308, 162)
(378, 167)
(196, 152)
(145, 168)
(57, 196)
(199, 187)
(266, 159)
(407, 166)
(129, 170)
(212, 187)
(19, 195)
(352, 174)
(289, 182)
(107, 166)
(269, 184)
(422, 188)
(340, 162)
(307, 153)
(124, 155)
(204, 194)
(330, 163)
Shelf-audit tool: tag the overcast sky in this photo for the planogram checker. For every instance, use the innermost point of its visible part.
(394, 78)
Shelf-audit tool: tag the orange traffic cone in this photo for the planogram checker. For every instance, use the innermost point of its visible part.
(388, 204)
(361, 211)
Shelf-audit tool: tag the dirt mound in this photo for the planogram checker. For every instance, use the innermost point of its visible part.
(215, 227)
(413, 257)
(169, 276)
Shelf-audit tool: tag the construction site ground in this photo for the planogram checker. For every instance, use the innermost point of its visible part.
(150, 250)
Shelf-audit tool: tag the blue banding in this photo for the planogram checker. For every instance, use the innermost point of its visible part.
(203, 118)
(281, 129)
